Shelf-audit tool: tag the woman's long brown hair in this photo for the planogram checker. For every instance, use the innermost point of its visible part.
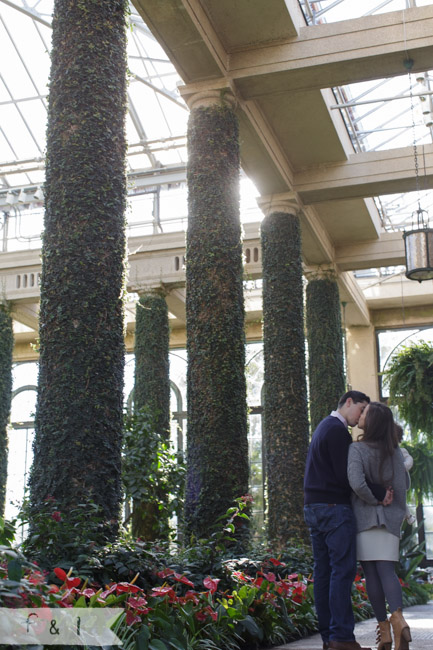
(379, 430)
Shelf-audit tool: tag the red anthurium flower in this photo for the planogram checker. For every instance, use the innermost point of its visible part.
(212, 614)
(137, 603)
(211, 584)
(126, 587)
(275, 562)
(72, 582)
(258, 582)
(132, 618)
(165, 573)
(204, 613)
(183, 579)
(191, 595)
(88, 593)
(270, 577)
(109, 589)
(164, 591)
(36, 578)
(56, 515)
(241, 576)
(60, 574)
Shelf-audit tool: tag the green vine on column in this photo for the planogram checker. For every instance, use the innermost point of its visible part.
(152, 381)
(152, 406)
(217, 455)
(6, 348)
(285, 405)
(80, 399)
(325, 348)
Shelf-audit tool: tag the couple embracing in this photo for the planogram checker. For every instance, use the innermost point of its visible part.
(355, 502)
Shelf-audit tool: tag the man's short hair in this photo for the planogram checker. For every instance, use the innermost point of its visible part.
(356, 396)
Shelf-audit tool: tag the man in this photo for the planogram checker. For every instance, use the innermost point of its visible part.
(329, 516)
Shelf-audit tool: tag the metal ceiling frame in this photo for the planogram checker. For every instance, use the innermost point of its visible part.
(146, 147)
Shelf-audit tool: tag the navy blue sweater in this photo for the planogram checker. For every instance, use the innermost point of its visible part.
(325, 478)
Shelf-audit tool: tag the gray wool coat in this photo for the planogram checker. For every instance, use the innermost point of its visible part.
(363, 462)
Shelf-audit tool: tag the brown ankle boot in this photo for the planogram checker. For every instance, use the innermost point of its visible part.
(401, 630)
(383, 635)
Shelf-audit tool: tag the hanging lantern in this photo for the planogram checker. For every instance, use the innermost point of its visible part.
(418, 249)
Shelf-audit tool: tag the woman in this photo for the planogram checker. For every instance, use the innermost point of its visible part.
(376, 457)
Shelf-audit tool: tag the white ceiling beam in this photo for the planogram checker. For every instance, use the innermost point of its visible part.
(365, 174)
(335, 54)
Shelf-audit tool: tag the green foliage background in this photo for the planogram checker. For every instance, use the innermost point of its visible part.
(6, 347)
(153, 475)
(325, 348)
(409, 377)
(217, 422)
(80, 402)
(285, 409)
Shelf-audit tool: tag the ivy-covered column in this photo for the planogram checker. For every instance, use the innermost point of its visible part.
(285, 405)
(325, 346)
(217, 448)
(152, 381)
(151, 391)
(80, 398)
(6, 348)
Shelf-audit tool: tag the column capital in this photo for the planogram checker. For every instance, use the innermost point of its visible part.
(285, 202)
(202, 95)
(146, 288)
(322, 272)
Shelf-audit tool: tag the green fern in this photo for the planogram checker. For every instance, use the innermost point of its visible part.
(409, 378)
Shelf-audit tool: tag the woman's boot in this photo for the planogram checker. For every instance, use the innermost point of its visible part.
(383, 635)
(401, 630)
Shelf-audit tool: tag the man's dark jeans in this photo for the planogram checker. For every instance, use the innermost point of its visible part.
(333, 536)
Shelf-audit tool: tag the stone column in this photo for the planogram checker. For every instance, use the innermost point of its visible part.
(151, 417)
(7, 344)
(325, 345)
(217, 446)
(79, 414)
(152, 381)
(362, 366)
(285, 406)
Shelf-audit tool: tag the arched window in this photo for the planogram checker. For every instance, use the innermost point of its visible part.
(20, 446)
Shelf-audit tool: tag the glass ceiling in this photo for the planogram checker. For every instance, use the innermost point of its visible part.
(377, 114)
(381, 114)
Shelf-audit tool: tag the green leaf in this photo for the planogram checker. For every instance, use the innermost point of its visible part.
(156, 644)
(15, 570)
(142, 638)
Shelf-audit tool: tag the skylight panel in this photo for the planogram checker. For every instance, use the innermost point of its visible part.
(331, 11)
(139, 161)
(20, 138)
(35, 115)
(15, 77)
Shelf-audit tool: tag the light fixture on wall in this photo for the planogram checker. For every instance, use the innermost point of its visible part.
(423, 86)
(39, 194)
(418, 241)
(11, 198)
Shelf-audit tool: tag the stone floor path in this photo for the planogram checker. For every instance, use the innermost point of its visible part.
(420, 619)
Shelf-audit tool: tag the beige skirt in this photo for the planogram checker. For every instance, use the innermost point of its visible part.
(377, 544)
